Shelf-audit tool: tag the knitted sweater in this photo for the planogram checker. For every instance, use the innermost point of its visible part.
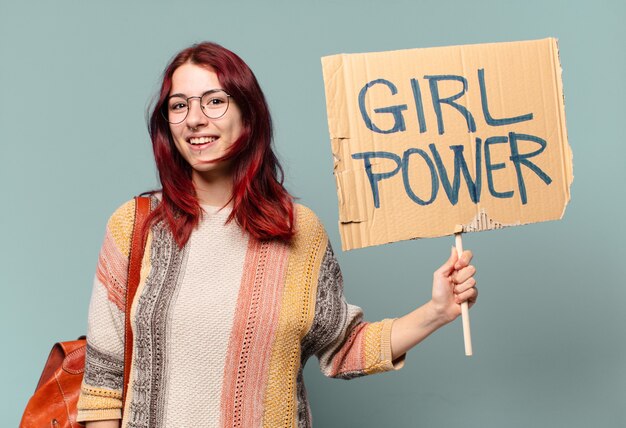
(223, 327)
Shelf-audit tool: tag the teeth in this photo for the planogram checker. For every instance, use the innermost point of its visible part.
(201, 140)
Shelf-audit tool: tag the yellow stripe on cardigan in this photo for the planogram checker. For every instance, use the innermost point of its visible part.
(121, 226)
(378, 347)
(298, 303)
(103, 403)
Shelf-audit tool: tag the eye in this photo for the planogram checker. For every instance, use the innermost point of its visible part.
(178, 106)
(215, 101)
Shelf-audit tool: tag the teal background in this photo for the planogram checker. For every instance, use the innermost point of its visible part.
(549, 330)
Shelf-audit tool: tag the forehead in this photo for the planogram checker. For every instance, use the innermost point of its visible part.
(191, 79)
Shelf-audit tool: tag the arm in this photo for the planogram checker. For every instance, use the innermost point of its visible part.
(453, 283)
(345, 344)
(101, 390)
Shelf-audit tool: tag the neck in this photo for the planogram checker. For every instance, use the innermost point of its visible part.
(213, 188)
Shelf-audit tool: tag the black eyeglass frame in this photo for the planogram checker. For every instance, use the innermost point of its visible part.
(165, 108)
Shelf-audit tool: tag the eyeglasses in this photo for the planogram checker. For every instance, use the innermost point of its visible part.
(213, 104)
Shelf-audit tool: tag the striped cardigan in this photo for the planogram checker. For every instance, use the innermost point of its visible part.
(290, 306)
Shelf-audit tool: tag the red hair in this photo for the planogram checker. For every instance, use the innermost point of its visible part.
(261, 205)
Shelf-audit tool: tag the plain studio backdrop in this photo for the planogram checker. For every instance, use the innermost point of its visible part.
(549, 331)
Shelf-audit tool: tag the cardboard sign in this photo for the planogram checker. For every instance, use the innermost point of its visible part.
(429, 142)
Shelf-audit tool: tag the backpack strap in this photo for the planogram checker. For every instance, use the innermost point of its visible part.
(142, 211)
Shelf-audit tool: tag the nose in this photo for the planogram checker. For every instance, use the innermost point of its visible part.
(195, 117)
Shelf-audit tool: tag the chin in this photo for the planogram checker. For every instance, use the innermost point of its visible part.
(209, 166)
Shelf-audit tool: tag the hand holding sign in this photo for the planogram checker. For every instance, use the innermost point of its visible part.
(454, 283)
(454, 286)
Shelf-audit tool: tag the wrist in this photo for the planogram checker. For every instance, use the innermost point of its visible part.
(437, 315)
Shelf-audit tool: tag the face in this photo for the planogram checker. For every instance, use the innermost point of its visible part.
(200, 139)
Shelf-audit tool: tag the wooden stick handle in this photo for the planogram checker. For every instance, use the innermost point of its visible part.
(467, 334)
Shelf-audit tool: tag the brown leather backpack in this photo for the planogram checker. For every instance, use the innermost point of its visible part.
(54, 402)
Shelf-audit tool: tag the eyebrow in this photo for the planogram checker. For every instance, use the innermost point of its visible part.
(210, 91)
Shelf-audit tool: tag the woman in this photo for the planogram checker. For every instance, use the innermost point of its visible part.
(239, 286)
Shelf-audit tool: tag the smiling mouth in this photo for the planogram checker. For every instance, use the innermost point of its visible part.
(199, 141)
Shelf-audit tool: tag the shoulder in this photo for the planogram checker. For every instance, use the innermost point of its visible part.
(123, 214)
(310, 236)
(120, 225)
(306, 220)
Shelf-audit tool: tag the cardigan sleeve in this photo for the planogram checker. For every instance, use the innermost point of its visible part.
(101, 390)
(345, 344)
